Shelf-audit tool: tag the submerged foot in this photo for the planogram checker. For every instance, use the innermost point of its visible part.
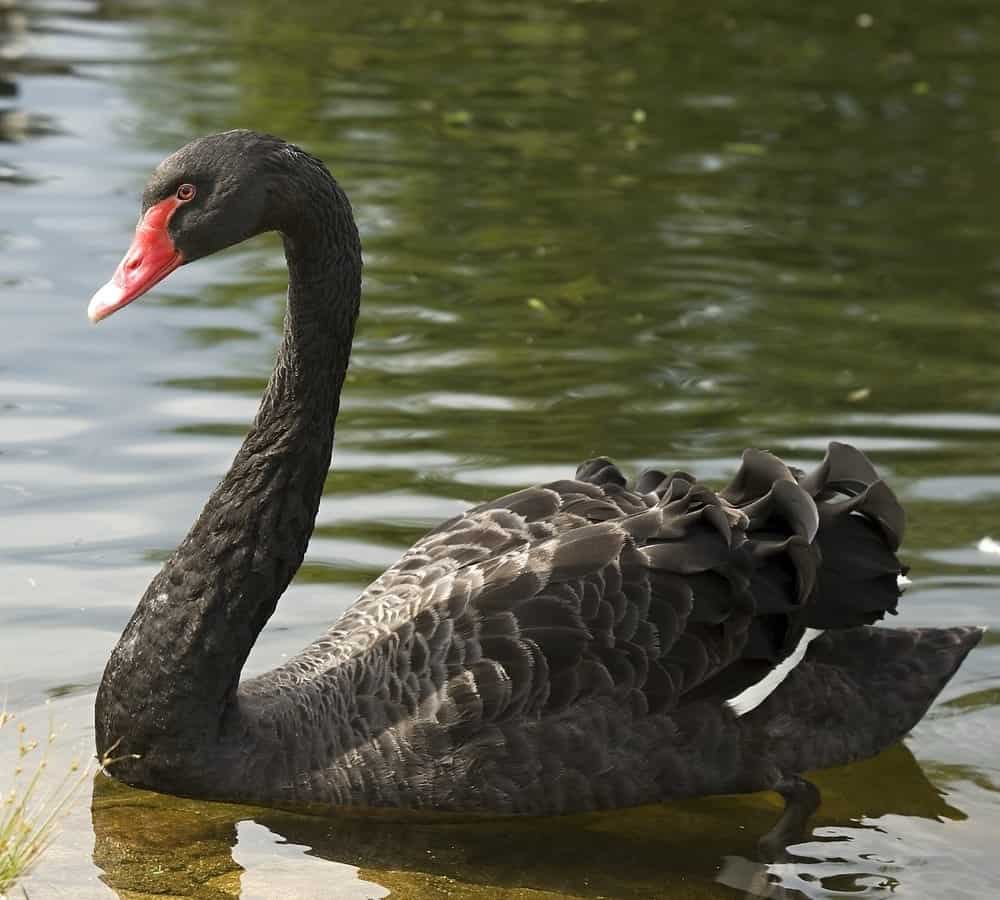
(802, 799)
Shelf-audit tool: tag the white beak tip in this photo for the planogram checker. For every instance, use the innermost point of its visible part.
(104, 302)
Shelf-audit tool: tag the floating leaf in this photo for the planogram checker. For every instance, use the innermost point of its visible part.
(746, 149)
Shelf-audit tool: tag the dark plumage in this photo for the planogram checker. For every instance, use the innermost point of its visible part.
(569, 646)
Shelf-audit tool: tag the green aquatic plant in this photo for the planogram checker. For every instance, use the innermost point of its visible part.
(30, 808)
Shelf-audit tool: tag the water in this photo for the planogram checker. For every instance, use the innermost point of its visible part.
(658, 231)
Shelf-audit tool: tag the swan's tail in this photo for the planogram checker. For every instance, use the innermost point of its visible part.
(859, 691)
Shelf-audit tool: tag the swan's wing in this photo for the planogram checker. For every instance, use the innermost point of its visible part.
(654, 594)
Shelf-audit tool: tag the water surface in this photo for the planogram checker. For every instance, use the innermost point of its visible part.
(662, 232)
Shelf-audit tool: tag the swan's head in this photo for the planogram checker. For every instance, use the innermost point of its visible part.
(211, 194)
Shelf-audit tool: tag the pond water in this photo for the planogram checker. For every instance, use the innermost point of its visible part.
(662, 232)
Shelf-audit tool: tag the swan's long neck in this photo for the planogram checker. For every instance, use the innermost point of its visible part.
(175, 670)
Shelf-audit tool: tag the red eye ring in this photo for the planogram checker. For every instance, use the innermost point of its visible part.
(185, 192)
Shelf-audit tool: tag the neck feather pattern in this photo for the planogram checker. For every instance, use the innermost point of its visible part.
(175, 670)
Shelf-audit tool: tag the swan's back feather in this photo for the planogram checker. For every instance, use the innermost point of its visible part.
(534, 602)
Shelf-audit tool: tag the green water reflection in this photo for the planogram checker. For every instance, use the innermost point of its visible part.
(650, 230)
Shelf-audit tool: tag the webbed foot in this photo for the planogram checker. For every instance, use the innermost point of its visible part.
(802, 799)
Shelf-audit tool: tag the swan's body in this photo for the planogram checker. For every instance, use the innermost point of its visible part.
(570, 646)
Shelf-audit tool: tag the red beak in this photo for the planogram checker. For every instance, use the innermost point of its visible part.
(150, 259)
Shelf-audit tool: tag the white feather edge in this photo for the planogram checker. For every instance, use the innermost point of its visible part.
(757, 693)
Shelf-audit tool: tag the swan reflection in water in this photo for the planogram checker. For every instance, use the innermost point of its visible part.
(157, 844)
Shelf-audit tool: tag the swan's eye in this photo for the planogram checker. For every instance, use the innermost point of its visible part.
(185, 192)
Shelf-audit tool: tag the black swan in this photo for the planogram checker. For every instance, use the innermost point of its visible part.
(579, 645)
